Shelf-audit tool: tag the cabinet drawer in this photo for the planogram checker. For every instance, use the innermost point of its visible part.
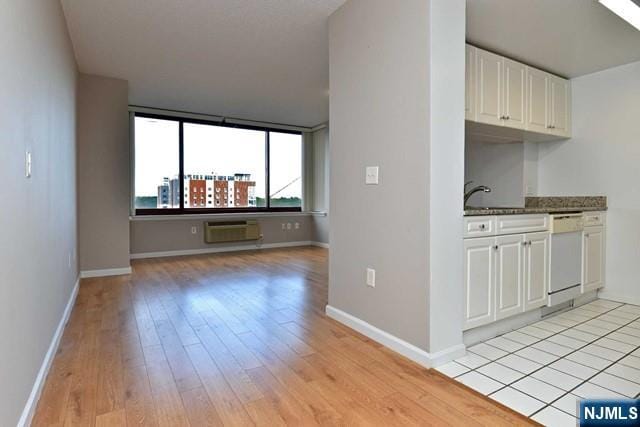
(511, 224)
(478, 226)
(593, 218)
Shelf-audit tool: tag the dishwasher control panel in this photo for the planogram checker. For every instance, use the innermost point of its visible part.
(566, 223)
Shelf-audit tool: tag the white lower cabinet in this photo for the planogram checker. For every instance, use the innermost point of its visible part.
(506, 271)
(504, 276)
(509, 274)
(479, 274)
(536, 276)
(592, 258)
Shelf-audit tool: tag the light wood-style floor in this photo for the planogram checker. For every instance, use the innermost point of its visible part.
(237, 339)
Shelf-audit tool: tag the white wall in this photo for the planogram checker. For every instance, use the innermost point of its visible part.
(38, 215)
(446, 157)
(499, 166)
(379, 110)
(603, 158)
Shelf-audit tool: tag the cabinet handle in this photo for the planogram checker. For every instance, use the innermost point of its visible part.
(507, 117)
(482, 226)
(529, 243)
(524, 243)
(495, 248)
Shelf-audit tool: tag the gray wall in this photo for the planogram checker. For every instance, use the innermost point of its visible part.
(320, 229)
(379, 108)
(501, 167)
(103, 173)
(320, 193)
(320, 165)
(38, 215)
(175, 234)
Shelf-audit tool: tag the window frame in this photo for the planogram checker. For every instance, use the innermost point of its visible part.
(213, 211)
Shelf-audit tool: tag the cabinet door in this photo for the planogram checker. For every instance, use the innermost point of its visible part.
(479, 272)
(509, 268)
(536, 271)
(514, 82)
(537, 101)
(560, 106)
(488, 87)
(470, 84)
(592, 258)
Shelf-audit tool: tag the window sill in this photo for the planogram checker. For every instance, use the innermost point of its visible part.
(222, 216)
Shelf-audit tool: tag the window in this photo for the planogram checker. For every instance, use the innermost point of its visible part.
(157, 164)
(285, 154)
(254, 169)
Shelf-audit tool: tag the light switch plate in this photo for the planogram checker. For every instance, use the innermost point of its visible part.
(27, 164)
(371, 177)
(371, 277)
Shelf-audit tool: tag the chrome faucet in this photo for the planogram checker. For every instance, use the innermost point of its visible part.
(474, 190)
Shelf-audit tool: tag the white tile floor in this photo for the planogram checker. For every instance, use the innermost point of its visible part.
(542, 369)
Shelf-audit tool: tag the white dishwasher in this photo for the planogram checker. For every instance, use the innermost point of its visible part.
(565, 273)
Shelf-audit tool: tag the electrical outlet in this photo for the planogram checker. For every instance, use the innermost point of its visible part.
(297, 225)
(371, 277)
(284, 226)
(194, 230)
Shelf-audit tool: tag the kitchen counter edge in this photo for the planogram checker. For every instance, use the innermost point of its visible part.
(524, 211)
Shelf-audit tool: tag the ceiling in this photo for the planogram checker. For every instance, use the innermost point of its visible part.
(249, 59)
(566, 37)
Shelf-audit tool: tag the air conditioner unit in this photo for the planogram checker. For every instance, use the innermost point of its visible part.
(231, 231)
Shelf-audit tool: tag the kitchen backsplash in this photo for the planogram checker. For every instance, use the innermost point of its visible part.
(565, 202)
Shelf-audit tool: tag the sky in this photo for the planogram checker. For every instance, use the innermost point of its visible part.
(214, 150)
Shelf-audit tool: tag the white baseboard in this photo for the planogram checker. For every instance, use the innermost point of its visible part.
(30, 408)
(218, 249)
(612, 296)
(406, 349)
(320, 244)
(84, 274)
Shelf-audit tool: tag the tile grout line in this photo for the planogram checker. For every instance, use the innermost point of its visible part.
(602, 370)
(538, 340)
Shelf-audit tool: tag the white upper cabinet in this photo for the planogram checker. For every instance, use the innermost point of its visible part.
(560, 106)
(488, 87)
(470, 84)
(506, 93)
(538, 101)
(514, 94)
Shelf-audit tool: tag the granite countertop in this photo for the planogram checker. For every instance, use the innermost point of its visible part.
(550, 205)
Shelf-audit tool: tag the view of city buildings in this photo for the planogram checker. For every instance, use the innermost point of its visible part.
(208, 191)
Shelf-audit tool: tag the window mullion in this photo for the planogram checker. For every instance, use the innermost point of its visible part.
(181, 160)
(267, 171)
